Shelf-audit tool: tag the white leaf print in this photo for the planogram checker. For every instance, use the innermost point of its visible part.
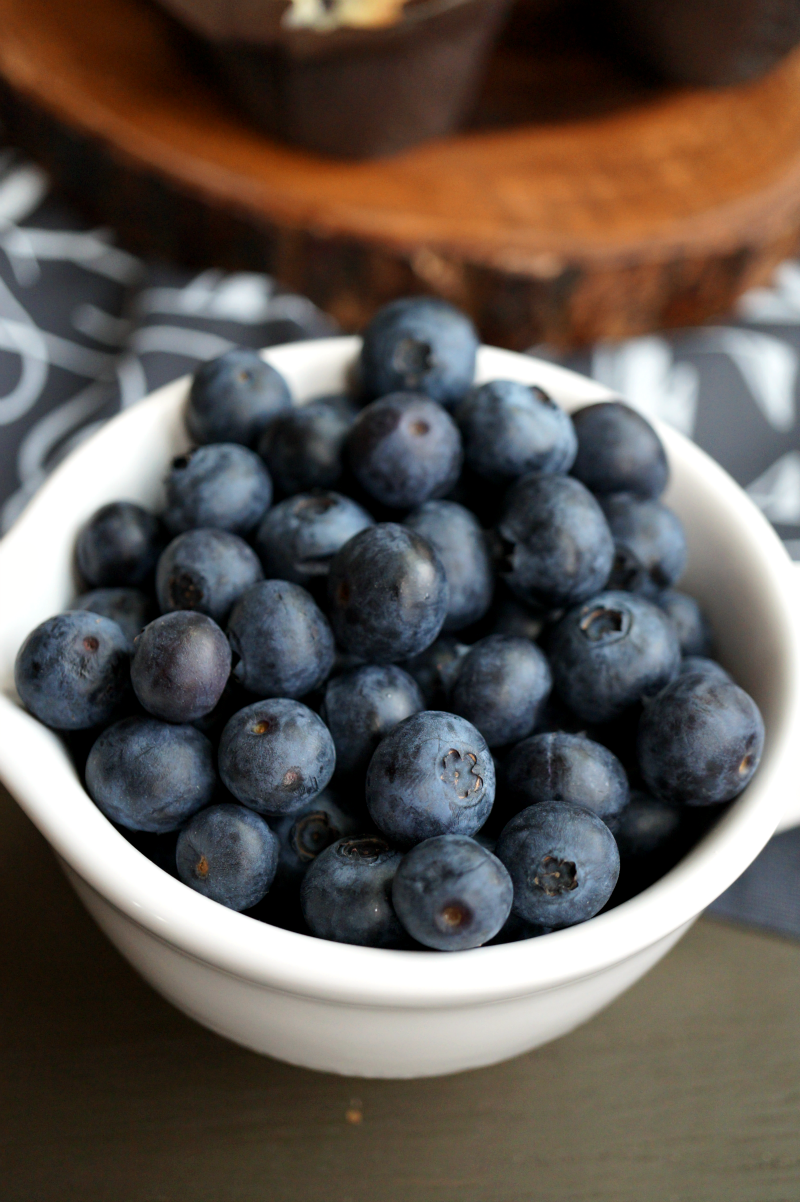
(777, 491)
(644, 372)
(768, 366)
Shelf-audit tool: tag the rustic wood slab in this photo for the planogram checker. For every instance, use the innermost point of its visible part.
(635, 216)
(685, 1090)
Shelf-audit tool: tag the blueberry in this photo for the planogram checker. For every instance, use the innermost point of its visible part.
(511, 616)
(501, 688)
(419, 344)
(233, 397)
(563, 862)
(282, 640)
(456, 537)
(346, 893)
(435, 669)
(645, 826)
(558, 548)
(451, 894)
(303, 448)
(648, 534)
(700, 740)
(275, 756)
(565, 767)
(699, 663)
(609, 653)
(515, 929)
(305, 835)
(181, 664)
(72, 670)
(206, 570)
(618, 451)
(405, 449)
(363, 705)
(150, 776)
(229, 854)
(234, 697)
(509, 429)
(130, 608)
(298, 538)
(628, 573)
(223, 486)
(431, 775)
(691, 624)
(388, 594)
(119, 545)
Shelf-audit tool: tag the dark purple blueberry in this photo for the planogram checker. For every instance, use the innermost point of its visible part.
(564, 767)
(150, 776)
(363, 705)
(281, 639)
(303, 447)
(206, 570)
(691, 624)
(419, 344)
(557, 547)
(119, 546)
(387, 593)
(628, 573)
(563, 862)
(72, 671)
(509, 429)
(180, 666)
(610, 653)
(618, 451)
(700, 740)
(234, 697)
(305, 835)
(451, 894)
(646, 826)
(228, 853)
(275, 756)
(433, 774)
(456, 537)
(405, 449)
(347, 890)
(501, 688)
(299, 537)
(130, 608)
(435, 669)
(222, 486)
(512, 616)
(700, 663)
(514, 929)
(233, 397)
(649, 534)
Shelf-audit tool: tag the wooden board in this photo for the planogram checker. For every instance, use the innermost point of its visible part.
(684, 1090)
(603, 219)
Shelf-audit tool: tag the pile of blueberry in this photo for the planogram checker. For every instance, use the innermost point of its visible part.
(400, 668)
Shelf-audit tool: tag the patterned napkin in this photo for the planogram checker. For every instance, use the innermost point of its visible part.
(87, 329)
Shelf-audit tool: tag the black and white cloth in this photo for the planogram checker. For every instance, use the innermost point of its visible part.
(87, 329)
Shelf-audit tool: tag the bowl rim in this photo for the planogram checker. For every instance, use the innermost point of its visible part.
(51, 793)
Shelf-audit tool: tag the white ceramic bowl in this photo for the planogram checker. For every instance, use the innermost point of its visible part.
(359, 1010)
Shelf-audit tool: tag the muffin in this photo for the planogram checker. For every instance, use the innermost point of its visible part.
(348, 78)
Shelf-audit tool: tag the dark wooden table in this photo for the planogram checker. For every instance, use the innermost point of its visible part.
(687, 1088)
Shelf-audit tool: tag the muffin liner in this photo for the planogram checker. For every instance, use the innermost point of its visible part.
(357, 92)
(709, 41)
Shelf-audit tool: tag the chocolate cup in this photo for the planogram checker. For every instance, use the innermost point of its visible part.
(364, 93)
(709, 41)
